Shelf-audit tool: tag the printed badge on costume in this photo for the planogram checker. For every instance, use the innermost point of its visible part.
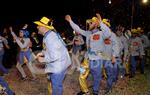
(135, 43)
(107, 41)
(96, 37)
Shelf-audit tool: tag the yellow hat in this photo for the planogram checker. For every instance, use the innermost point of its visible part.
(107, 22)
(88, 20)
(140, 30)
(44, 22)
(94, 19)
(134, 31)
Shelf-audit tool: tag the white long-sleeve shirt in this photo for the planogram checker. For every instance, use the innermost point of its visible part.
(136, 47)
(124, 46)
(94, 39)
(145, 41)
(24, 45)
(111, 47)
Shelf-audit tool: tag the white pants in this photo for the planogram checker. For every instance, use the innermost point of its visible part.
(21, 70)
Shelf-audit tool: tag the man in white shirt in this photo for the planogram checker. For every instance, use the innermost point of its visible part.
(54, 54)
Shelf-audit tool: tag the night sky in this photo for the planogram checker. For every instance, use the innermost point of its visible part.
(119, 12)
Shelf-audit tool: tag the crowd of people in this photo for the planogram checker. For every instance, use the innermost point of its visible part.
(95, 50)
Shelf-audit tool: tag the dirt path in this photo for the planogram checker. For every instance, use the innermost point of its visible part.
(140, 85)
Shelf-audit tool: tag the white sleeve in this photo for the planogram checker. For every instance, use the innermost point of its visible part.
(23, 45)
(106, 30)
(76, 28)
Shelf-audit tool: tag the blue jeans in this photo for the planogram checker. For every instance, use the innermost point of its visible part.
(96, 69)
(27, 54)
(2, 68)
(143, 63)
(110, 73)
(3, 83)
(117, 69)
(134, 60)
(57, 82)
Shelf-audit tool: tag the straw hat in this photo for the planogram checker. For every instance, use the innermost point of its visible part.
(45, 22)
(107, 22)
(94, 19)
(134, 31)
(140, 30)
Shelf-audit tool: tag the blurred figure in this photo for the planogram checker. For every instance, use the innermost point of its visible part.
(148, 34)
(3, 43)
(36, 44)
(25, 53)
(145, 42)
(9, 52)
(136, 52)
(4, 88)
(76, 50)
(124, 51)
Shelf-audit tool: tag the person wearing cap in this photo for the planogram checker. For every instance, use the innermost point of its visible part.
(136, 51)
(25, 53)
(107, 22)
(124, 53)
(54, 54)
(145, 40)
(111, 51)
(76, 43)
(146, 45)
(36, 42)
(95, 47)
